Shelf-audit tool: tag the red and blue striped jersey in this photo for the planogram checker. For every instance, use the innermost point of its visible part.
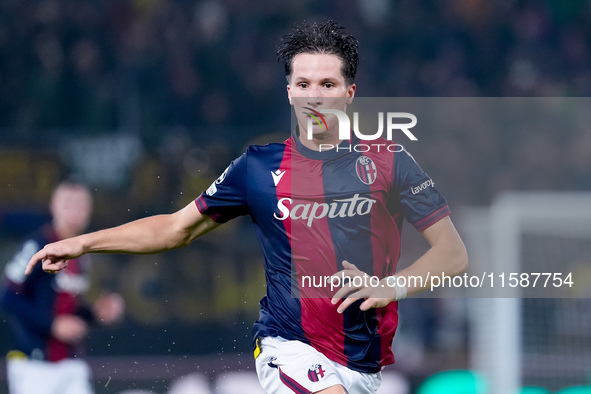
(33, 301)
(311, 210)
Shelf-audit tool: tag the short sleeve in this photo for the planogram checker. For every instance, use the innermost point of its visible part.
(419, 200)
(226, 198)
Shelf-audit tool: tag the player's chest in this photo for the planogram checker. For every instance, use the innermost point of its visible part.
(311, 189)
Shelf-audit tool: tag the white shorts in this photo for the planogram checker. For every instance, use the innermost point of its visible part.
(70, 376)
(287, 367)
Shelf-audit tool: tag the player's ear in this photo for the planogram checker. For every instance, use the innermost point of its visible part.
(289, 94)
(351, 93)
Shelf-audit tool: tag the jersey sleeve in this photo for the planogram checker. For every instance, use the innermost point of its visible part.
(226, 198)
(419, 200)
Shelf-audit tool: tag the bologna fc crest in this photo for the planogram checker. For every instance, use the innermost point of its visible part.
(315, 373)
(366, 170)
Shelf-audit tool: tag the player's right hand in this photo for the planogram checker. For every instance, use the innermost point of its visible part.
(374, 296)
(54, 256)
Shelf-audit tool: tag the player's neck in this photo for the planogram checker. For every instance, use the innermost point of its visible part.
(326, 139)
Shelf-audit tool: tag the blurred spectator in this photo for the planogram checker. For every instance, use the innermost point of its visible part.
(145, 66)
(49, 319)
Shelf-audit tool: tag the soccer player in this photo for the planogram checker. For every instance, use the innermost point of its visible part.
(49, 319)
(317, 213)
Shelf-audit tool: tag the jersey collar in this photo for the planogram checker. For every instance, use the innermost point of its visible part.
(343, 148)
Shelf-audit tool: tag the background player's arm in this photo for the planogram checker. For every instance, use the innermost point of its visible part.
(447, 255)
(148, 235)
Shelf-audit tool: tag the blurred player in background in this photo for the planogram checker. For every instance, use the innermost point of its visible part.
(48, 316)
(315, 212)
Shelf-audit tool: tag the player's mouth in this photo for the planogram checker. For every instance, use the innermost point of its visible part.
(317, 116)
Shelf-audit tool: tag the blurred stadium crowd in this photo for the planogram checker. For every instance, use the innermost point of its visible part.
(207, 70)
(190, 83)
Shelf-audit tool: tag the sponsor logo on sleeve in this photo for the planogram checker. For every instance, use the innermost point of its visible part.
(211, 190)
(223, 176)
(417, 189)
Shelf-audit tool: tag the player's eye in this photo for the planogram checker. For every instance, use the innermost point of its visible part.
(303, 85)
(329, 85)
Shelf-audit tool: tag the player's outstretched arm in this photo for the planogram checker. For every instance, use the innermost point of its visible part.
(447, 255)
(148, 235)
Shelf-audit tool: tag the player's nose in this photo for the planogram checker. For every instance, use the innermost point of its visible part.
(314, 97)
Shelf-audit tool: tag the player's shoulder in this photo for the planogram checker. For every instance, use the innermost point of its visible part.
(403, 155)
(266, 149)
(254, 157)
(264, 153)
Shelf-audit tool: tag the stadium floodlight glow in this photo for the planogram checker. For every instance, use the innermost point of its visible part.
(345, 124)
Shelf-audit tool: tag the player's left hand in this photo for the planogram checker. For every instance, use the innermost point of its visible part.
(375, 296)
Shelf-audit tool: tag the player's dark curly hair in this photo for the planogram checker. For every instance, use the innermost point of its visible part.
(326, 37)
